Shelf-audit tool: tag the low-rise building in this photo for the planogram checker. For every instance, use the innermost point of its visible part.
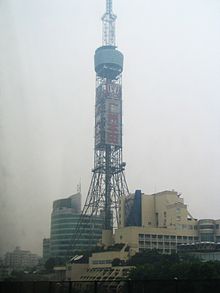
(21, 259)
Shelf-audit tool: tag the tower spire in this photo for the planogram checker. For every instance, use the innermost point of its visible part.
(108, 184)
(108, 19)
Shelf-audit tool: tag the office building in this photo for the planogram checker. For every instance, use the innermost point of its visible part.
(65, 219)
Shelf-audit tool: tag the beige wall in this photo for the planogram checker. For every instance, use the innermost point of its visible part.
(148, 211)
(163, 209)
(104, 259)
(130, 235)
(75, 271)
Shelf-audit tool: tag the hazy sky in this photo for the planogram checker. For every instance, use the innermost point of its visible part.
(171, 105)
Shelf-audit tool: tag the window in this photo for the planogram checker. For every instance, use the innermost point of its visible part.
(209, 237)
(206, 227)
(217, 238)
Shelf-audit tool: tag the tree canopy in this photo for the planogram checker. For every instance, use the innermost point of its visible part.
(151, 265)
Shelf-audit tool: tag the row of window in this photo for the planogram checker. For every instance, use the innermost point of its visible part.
(65, 244)
(63, 221)
(74, 224)
(101, 262)
(70, 235)
(76, 216)
(81, 239)
(68, 230)
(167, 238)
(155, 244)
(74, 220)
(159, 236)
(165, 250)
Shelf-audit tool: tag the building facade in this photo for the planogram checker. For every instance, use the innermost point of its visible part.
(161, 221)
(64, 220)
(21, 259)
(46, 249)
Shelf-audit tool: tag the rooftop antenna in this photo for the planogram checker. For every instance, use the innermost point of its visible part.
(79, 187)
(108, 20)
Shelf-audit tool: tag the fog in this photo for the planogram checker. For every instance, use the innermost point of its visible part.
(171, 105)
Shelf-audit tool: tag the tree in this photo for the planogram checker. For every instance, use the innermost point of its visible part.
(52, 262)
(150, 265)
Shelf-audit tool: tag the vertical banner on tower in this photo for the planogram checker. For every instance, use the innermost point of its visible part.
(113, 133)
(99, 118)
(108, 118)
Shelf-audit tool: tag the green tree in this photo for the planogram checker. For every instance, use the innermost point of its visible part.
(150, 265)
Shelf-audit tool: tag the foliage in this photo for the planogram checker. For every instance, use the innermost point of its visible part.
(116, 262)
(151, 265)
(52, 262)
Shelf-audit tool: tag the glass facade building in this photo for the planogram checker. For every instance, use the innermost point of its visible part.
(64, 219)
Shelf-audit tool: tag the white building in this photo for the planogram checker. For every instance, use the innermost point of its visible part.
(21, 259)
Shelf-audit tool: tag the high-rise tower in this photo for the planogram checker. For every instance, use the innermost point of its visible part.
(108, 182)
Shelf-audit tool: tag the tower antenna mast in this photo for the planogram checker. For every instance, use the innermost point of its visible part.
(108, 184)
(108, 20)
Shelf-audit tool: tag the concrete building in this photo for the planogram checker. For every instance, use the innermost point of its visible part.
(21, 259)
(161, 221)
(64, 219)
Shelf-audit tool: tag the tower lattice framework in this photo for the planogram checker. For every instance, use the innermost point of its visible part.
(108, 182)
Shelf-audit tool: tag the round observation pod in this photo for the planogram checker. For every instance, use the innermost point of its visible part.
(108, 62)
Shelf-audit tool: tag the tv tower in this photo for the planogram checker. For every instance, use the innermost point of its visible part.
(108, 182)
